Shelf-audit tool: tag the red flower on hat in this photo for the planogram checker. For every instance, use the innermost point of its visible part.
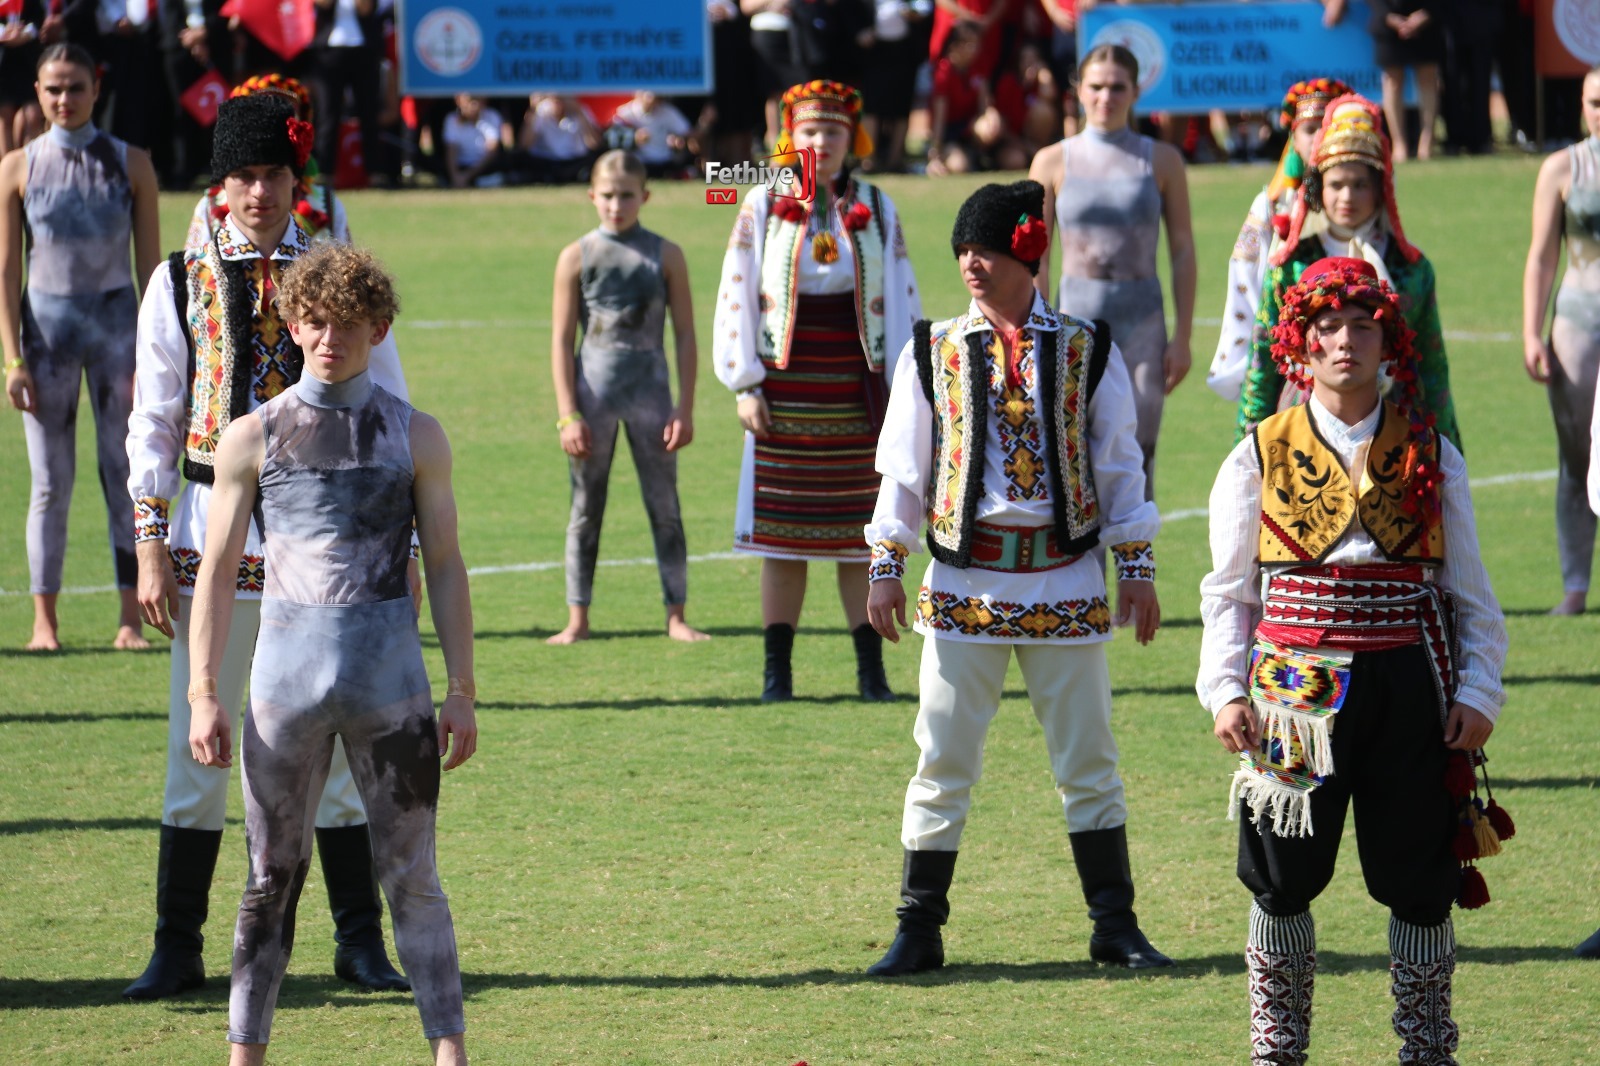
(1029, 239)
(858, 216)
(301, 136)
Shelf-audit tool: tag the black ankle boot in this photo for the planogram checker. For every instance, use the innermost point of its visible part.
(186, 863)
(870, 679)
(778, 682)
(358, 957)
(1589, 949)
(925, 893)
(1102, 859)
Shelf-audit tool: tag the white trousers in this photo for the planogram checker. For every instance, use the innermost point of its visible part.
(1070, 689)
(197, 796)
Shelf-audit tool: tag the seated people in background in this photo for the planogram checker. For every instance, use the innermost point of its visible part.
(561, 137)
(959, 106)
(660, 133)
(478, 146)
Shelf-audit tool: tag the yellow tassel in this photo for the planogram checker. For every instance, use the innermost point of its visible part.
(824, 249)
(1483, 832)
(863, 146)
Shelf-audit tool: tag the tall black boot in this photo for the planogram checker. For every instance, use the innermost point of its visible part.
(1102, 859)
(778, 682)
(925, 906)
(353, 897)
(870, 678)
(188, 859)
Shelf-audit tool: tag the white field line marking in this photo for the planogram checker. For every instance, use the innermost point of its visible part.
(719, 557)
(473, 323)
(1449, 334)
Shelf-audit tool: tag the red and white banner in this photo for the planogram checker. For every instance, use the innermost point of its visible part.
(285, 26)
(203, 98)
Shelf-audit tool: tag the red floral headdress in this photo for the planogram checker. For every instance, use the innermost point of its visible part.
(824, 101)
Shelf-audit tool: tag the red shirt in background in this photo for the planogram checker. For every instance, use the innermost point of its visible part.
(959, 90)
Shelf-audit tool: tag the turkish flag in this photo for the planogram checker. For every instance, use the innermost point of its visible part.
(285, 26)
(8, 8)
(203, 98)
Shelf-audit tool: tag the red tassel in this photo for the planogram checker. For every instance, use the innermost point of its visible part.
(1465, 845)
(1458, 776)
(1474, 893)
(1504, 827)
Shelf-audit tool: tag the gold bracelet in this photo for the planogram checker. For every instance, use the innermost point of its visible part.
(206, 686)
(566, 420)
(14, 364)
(460, 686)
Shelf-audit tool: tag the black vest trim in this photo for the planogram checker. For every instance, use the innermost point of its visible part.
(1099, 355)
(922, 349)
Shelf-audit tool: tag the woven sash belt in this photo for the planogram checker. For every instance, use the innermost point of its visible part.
(1017, 549)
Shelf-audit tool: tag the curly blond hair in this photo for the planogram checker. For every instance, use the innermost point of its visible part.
(348, 284)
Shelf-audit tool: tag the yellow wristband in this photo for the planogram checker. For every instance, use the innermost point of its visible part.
(14, 364)
(459, 686)
(206, 686)
(566, 420)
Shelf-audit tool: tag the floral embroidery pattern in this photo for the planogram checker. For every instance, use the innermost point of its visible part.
(1136, 561)
(972, 616)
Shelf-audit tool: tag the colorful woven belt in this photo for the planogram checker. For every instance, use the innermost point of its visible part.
(1358, 608)
(1017, 549)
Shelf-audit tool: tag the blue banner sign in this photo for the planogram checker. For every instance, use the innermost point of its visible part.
(1236, 57)
(514, 47)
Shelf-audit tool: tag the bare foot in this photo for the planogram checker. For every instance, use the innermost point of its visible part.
(678, 629)
(1571, 603)
(130, 638)
(570, 635)
(44, 639)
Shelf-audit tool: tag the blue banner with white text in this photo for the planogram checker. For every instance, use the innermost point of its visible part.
(515, 47)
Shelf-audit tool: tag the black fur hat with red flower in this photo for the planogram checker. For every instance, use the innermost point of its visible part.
(260, 130)
(1005, 218)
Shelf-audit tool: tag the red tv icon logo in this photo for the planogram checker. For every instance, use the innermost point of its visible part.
(722, 196)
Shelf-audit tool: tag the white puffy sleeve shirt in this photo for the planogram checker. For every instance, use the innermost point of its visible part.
(1247, 272)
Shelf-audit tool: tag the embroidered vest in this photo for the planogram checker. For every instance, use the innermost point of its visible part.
(780, 281)
(220, 322)
(1307, 501)
(955, 382)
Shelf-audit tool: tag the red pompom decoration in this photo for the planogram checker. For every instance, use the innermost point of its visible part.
(1029, 239)
(788, 208)
(302, 137)
(317, 220)
(1504, 827)
(1474, 892)
(1280, 226)
(858, 216)
(219, 212)
(1458, 776)
(1465, 844)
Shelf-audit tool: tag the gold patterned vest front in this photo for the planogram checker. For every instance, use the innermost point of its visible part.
(953, 366)
(1308, 501)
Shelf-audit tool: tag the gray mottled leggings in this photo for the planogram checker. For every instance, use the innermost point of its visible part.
(64, 338)
(352, 671)
(644, 417)
(1572, 387)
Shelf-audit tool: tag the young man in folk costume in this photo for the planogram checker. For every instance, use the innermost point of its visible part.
(317, 209)
(816, 301)
(1347, 207)
(1264, 225)
(212, 346)
(1012, 432)
(1367, 673)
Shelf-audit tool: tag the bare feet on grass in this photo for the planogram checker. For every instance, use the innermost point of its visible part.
(130, 638)
(678, 629)
(1571, 603)
(46, 627)
(577, 626)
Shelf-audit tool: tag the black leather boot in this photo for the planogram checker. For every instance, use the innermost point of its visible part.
(1102, 859)
(188, 859)
(925, 906)
(359, 958)
(778, 682)
(870, 679)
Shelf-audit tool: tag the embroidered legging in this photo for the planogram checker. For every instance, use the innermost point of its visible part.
(351, 671)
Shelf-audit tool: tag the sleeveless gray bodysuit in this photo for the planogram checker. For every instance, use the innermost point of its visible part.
(1108, 215)
(623, 378)
(1575, 339)
(79, 316)
(339, 657)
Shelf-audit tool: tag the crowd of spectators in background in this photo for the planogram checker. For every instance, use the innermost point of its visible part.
(967, 84)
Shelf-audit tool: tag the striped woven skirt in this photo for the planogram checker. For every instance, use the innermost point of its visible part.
(806, 491)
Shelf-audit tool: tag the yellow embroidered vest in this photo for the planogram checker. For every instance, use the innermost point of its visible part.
(954, 372)
(1308, 503)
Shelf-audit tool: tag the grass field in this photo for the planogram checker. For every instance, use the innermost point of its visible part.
(646, 865)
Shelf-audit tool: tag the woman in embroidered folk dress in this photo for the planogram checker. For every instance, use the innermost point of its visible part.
(1110, 189)
(1347, 207)
(817, 299)
(78, 196)
(1567, 198)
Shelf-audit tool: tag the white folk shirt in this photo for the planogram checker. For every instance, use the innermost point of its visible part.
(159, 423)
(1230, 596)
(1247, 272)
(1074, 594)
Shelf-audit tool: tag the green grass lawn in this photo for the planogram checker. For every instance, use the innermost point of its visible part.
(647, 865)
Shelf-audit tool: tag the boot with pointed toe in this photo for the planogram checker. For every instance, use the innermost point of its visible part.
(925, 906)
(186, 862)
(1101, 856)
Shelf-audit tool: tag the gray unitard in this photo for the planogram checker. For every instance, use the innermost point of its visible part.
(622, 377)
(1575, 340)
(1108, 213)
(339, 656)
(79, 314)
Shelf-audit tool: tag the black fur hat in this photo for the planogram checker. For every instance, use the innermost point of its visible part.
(254, 131)
(1005, 218)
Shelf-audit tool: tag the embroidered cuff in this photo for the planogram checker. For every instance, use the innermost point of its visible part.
(888, 561)
(745, 394)
(149, 518)
(1136, 561)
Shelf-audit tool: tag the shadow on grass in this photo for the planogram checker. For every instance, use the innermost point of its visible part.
(645, 703)
(1509, 783)
(1553, 679)
(540, 632)
(155, 648)
(54, 718)
(65, 825)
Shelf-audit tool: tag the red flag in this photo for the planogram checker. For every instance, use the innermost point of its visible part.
(203, 98)
(8, 8)
(285, 26)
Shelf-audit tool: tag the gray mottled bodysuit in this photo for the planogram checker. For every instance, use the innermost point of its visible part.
(1575, 340)
(79, 314)
(339, 657)
(622, 377)
(1108, 212)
